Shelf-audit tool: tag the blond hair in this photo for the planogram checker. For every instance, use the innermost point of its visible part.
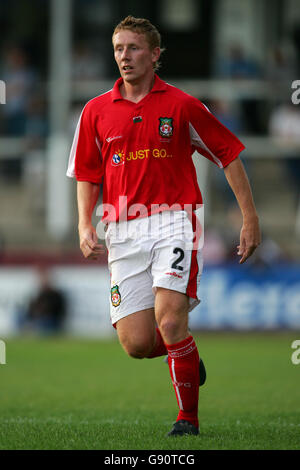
(141, 26)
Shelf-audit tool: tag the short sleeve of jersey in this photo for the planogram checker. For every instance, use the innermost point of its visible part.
(210, 137)
(85, 161)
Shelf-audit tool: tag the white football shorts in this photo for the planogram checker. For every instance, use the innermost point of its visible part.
(156, 251)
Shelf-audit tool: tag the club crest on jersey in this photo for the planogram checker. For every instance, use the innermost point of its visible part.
(166, 126)
(115, 296)
(118, 158)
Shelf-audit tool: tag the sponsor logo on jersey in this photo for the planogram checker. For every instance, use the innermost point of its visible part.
(118, 158)
(110, 139)
(166, 126)
(115, 296)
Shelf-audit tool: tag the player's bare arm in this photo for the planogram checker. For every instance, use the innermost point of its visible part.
(250, 232)
(87, 197)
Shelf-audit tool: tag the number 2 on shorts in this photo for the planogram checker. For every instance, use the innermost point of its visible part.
(175, 265)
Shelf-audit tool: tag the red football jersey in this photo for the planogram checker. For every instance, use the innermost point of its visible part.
(142, 152)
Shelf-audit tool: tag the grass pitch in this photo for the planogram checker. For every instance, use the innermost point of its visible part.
(63, 393)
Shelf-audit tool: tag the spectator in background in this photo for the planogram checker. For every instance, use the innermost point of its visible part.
(238, 65)
(281, 66)
(34, 165)
(46, 311)
(36, 126)
(284, 125)
(228, 114)
(86, 65)
(20, 79)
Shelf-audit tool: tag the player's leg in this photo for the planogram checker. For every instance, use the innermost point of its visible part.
(132, 313)
(171, 313)
(171, 310)
(176, 271)
(132, 298)
(139, 336)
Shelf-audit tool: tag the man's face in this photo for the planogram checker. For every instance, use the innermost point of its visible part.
(133, 55)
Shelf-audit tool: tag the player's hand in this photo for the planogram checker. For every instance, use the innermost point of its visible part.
(89, 245)
(249, 238)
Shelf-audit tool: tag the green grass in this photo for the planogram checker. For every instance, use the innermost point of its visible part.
(77, 394)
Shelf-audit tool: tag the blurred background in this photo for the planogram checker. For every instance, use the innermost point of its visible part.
(240, 58)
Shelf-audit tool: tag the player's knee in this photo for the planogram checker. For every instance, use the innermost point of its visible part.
(173, 325)
(138, 349)
(169, 326)
(137, 352)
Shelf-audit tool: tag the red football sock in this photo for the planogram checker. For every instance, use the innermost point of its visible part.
(183, 359)
(159, 348)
